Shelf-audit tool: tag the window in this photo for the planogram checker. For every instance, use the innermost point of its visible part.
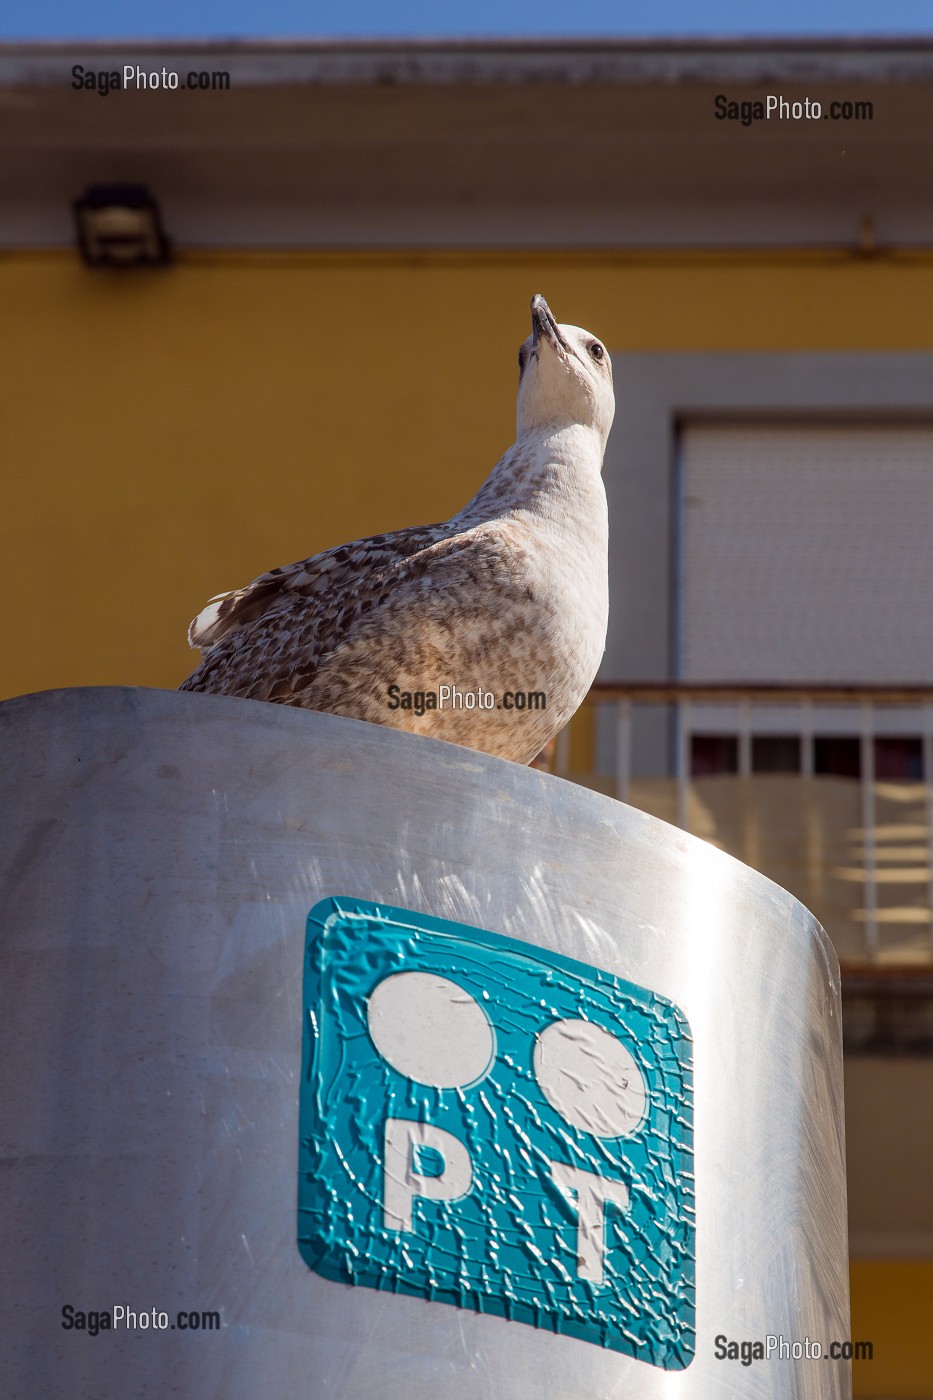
(897, 758)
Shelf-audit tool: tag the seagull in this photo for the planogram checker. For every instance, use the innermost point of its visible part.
(484, 630)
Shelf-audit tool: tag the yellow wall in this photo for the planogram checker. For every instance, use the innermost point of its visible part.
(166, 436)
(892, 1301)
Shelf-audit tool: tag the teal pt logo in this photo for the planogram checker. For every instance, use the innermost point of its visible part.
(492, 1125)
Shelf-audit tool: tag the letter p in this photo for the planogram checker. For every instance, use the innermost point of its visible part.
(407, 1148)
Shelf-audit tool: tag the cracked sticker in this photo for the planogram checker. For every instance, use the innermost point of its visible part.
(495, 1126)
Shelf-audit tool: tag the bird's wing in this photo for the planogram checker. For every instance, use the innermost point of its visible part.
(274, 645)
(364, 563)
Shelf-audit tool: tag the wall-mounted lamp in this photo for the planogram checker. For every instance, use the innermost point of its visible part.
(120, 226)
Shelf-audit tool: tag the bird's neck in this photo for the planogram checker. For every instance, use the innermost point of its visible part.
(542, 470)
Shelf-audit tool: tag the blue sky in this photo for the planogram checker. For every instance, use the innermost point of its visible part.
(119, 19)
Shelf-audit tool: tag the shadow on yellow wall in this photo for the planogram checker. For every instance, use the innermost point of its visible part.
(892, 1302)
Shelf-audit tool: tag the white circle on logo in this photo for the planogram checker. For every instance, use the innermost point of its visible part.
(430, 1030)
(590, 1078)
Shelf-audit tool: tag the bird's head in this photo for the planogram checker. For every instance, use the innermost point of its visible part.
(565, 376)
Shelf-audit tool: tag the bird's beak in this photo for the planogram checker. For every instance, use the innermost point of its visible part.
(543, 325)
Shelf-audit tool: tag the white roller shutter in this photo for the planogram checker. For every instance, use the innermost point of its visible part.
(807, 553)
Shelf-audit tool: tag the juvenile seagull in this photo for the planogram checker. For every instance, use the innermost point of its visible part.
(511, 594)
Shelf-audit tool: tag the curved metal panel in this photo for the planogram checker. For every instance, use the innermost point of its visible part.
(160, 856)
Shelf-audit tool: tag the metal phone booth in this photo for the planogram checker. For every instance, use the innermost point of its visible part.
(343, 1063)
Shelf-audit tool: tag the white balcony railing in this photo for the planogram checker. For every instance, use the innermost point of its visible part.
(826, 789)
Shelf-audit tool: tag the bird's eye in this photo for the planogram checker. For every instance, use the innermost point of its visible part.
(596, 350)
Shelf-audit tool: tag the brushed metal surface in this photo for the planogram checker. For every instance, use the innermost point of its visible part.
(159, 856)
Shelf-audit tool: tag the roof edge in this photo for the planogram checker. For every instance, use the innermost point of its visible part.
(611, 61)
